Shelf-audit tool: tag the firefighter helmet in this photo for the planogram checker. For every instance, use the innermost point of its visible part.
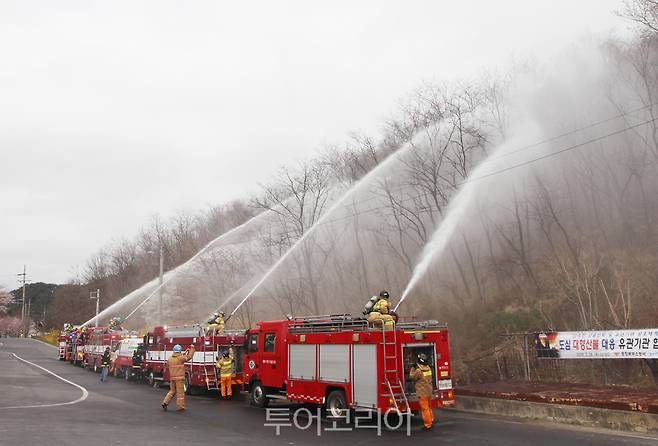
(225, 354)
(178, 348)
(384, 294)
(422, 358)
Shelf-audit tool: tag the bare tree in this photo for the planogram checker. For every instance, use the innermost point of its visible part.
(644, 12)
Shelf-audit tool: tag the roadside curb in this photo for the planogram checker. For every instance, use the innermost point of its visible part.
(618, 420)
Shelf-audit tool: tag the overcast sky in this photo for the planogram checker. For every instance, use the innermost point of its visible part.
(113, 111)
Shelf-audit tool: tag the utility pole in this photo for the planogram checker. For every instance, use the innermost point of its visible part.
(23, 280)
(96, 295)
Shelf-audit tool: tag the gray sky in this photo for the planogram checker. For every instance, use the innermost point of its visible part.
(113, 111)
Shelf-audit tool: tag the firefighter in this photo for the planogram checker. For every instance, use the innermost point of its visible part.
(216, 323)
(176, 366)
(379, 311)
(226, 365)
(422, 374)
(105, 364)
(136, 363)
(115, 323)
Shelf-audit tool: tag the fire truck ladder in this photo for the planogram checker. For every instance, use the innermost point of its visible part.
(392, 382)
(212, 381)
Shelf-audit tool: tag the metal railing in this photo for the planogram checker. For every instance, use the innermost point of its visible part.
(346, 322)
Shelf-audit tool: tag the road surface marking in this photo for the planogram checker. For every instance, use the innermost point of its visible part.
(84, 396)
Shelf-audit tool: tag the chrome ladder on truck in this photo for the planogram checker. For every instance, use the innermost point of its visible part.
(393, 387)
(212, 381)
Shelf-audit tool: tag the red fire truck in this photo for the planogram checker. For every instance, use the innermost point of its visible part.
(64, 345)
(340, 362)
(100, 339)
(68, 342)
(200, 371)
(78, 341)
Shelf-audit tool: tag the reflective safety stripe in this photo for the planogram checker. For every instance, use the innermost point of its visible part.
(427, 373)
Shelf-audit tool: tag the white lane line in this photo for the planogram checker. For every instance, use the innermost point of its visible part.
(84, 396)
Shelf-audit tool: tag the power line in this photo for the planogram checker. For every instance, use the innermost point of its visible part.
(498, 172)
(559, 152)
(458, 185)
(503, 170)
(576, 130)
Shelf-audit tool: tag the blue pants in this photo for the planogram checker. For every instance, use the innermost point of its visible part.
(104, 371)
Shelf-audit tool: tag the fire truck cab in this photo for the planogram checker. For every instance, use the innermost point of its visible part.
(200, 371)
(340, 362)
(124, 350)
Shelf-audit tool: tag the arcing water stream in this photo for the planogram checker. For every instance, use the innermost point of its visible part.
(145, 293)
(325, 218)
(455, 213)
(126, 300)
(497, 162)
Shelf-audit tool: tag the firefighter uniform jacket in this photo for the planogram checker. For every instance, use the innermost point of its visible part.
(105, 361)
(423, 377)
(176, 365)
(382, 306)
(225, 366)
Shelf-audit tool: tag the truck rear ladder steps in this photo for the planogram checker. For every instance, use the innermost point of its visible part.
(212, 379)
(391, 374)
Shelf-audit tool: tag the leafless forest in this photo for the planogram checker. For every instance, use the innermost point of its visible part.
(562, 234)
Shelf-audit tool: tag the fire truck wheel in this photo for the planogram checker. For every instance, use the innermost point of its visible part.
(336, 404)
(258, 397)
(151, 379)
(95, 368)
(187, 386)
(115, 372)
(126, 374)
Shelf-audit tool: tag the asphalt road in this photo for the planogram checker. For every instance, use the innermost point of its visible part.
(37, 408)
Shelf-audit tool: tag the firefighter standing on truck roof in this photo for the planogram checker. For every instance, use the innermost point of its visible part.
(216, 323)
(378, 311)
(422, 374)
(226, 365)
(176, 365)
